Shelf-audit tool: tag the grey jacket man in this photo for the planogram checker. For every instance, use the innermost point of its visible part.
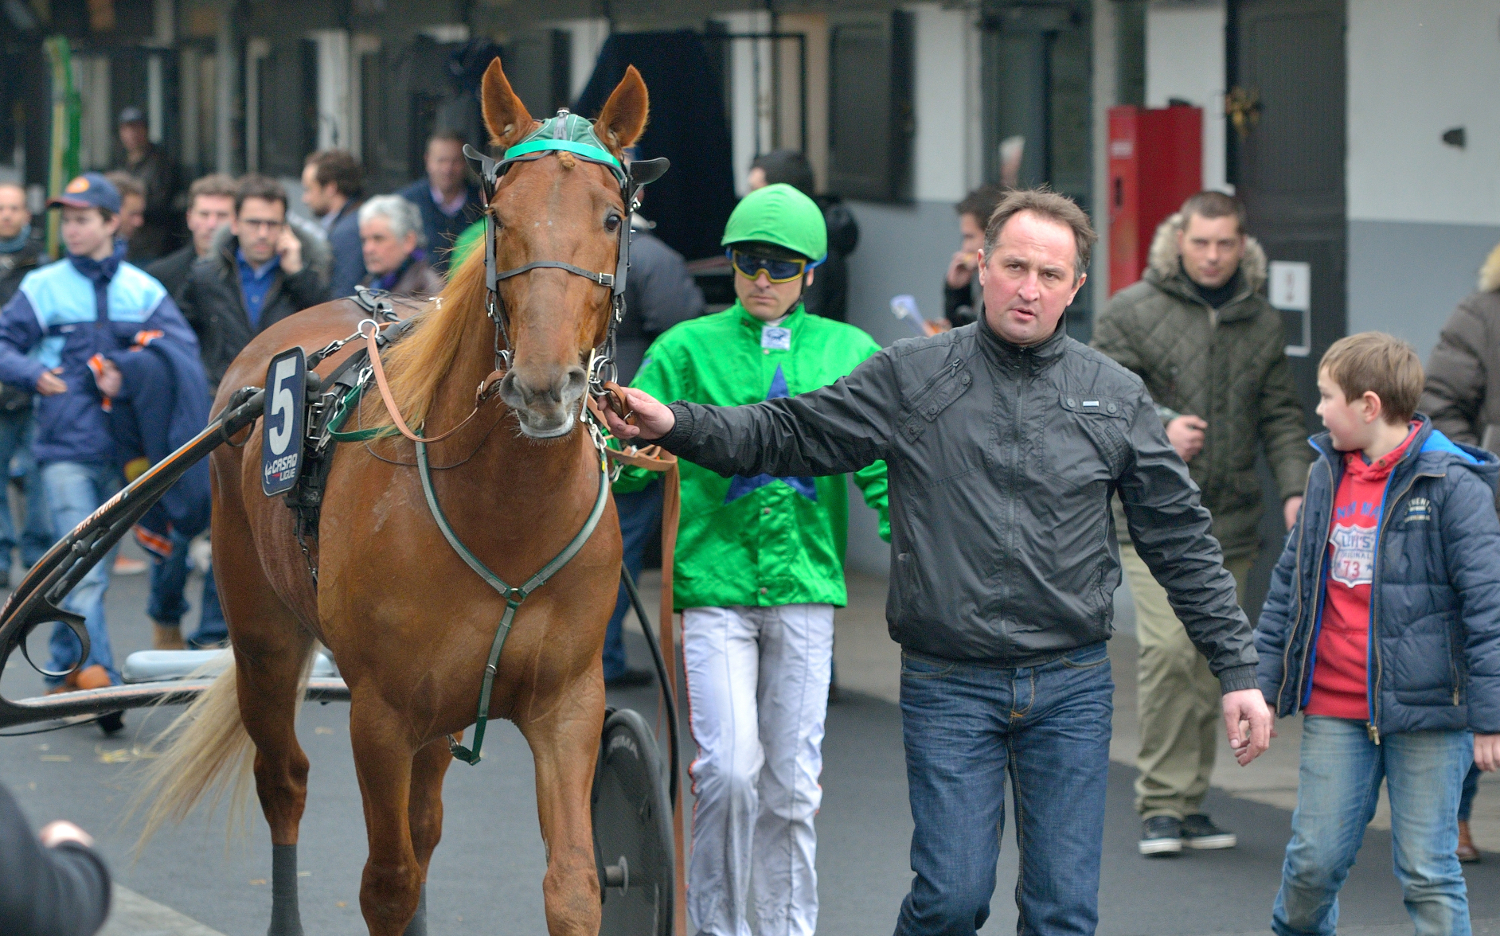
(1002, 461)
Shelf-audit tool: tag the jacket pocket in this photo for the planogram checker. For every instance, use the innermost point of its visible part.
(936, 395)
(1103, 421)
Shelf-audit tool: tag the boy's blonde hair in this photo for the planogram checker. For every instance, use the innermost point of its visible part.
(1381, 364)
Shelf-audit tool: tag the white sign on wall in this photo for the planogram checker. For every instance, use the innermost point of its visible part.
(1290, 287)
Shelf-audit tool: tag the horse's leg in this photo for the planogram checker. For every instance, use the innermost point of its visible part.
(268, 706)
(425, 814)
(271, 648)
(390, 888)
(565, 744)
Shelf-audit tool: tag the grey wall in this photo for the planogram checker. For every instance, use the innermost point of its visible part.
(902, 249)
(1406, 277)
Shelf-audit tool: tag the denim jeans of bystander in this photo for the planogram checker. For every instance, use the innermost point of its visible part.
(36, 536)
(168, 603)
(75, 490)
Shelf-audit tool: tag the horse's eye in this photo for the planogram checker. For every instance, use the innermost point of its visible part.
(612, 223)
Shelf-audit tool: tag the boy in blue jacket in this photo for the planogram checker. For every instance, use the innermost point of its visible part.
(63, 335)
(1383, 628)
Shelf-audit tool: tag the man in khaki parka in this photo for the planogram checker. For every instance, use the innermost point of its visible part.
(1211, 350)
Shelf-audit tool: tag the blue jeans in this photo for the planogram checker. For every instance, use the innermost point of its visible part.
(168, 604)
(640, 513)
(75, 490)
(1470, 790)
(1337, 788)
(966, 726)
(16, 430)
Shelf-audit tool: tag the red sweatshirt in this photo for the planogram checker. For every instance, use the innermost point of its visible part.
(1340, 674)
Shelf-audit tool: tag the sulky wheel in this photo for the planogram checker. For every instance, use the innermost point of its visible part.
(632, 830)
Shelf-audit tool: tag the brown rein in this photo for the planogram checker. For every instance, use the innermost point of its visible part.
(377, 369)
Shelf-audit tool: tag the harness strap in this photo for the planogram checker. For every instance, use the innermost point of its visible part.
(656, 459)
(607, 280)
(513, 596)
(486, 388)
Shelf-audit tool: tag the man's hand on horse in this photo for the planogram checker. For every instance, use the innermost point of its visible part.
(1249, 723)
(652, 419)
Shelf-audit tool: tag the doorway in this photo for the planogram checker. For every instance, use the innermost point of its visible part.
(1286, 108)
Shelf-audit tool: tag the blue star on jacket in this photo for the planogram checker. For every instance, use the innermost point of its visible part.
(740, 485)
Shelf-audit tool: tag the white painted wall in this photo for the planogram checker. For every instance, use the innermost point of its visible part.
(749, 104)
(586, 39)
(946, 103)
(1185, 59)
(1416, 70)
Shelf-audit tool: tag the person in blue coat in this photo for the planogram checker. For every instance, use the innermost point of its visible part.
(63, 335)
(1383, 627)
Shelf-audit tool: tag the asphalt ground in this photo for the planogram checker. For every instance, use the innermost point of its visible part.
(486, 874)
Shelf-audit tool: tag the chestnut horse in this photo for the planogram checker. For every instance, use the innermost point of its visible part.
(408, 622)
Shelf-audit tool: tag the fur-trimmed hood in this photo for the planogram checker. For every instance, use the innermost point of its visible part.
(1489, 274)
(1164, 255)
(316, 254)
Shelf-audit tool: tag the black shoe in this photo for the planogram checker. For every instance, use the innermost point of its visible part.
(631, 679)
(112, 723)
(1199, 831)
(1161, 835)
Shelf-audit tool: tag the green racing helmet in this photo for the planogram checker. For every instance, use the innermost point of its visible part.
(781, 216)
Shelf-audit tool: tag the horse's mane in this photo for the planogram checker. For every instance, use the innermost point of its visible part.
(417, 364)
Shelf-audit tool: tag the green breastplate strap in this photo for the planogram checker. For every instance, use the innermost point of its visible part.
(513, 595)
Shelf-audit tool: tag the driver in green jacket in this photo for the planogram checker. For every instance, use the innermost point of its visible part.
(760, 569)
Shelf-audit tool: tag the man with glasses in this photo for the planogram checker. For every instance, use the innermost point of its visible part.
(759, 571)
(261, 269)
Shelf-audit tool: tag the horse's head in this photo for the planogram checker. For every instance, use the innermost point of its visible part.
(565, 209)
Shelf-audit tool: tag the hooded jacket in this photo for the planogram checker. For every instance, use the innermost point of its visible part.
(63, 315)
(1434, 644)
(215, 306)
(1227, 366)
(1002, 461)
(1463, 372)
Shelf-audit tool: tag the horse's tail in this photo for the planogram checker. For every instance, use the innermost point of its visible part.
(209, 752)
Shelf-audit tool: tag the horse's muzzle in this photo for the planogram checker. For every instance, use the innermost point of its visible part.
(546, 401)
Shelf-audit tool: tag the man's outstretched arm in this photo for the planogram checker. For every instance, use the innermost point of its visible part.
(832, 430)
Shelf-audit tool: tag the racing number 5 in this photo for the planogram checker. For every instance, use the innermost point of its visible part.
(281, 405)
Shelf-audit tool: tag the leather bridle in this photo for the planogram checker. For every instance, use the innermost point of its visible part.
(631, 179)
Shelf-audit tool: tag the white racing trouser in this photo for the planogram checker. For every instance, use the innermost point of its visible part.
(757, 697)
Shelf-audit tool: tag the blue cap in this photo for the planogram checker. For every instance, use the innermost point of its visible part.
(131, 115)
(90, 190)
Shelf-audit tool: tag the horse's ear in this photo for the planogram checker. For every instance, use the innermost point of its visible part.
(504, 114)
(623, 118)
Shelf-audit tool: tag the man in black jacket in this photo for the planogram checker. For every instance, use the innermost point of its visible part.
(261, 269)
(962, 299)
(1004, 441)
(210, 207)
(54, 884)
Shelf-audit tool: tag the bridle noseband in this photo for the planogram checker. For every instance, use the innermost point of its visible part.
(569, 133)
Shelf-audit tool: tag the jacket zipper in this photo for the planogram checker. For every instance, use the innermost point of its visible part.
(1286, 654)
(1373, 729)
(1302, 670)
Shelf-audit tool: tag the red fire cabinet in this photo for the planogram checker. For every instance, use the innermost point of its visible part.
(1155, 163)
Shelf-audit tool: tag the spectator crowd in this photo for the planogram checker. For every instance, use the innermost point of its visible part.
(1152, 434)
